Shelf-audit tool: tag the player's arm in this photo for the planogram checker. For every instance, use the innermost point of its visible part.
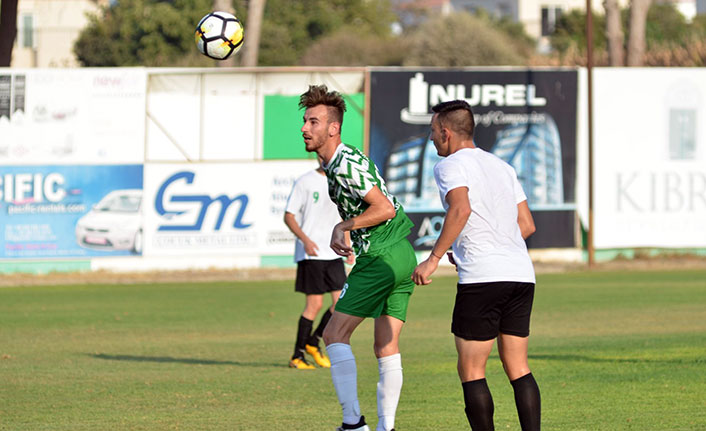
(379, 210)
(456, 218)
(525, 220)
(310, 246)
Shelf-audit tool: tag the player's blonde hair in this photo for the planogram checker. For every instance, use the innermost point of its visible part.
(320, 95)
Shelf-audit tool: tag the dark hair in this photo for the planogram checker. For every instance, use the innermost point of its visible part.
(457, 115)
(319, 95)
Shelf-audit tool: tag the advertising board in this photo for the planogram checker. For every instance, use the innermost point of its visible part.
(70, 211)
(527, 118)
(219, 208)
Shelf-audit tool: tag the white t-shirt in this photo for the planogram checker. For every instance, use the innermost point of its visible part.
(316, 214)
(490, 246)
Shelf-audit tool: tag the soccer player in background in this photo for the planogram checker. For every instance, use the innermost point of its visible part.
(311, 216)
(379, 285)
(487, 220)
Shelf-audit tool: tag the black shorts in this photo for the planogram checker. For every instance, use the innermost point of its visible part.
(483, 310)
(316, 277)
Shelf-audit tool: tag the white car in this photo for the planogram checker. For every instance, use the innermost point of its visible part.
(114, 223)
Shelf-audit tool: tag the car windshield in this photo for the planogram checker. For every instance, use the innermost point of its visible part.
(121, 203)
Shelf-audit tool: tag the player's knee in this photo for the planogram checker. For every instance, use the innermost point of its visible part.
(515, 370)
(332, 334)
(313, 304)
(383, 350)
(313, 309)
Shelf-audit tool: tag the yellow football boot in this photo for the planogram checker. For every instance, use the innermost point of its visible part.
(319, 357)
(300, 364)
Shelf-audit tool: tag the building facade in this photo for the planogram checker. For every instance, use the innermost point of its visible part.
(47, 30)
(539, 17)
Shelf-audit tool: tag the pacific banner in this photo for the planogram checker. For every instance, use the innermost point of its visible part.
(525, 117)
(70, 211)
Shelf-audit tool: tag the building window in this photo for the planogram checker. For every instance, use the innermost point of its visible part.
(504, 10)
(27, 31)
(550, 16)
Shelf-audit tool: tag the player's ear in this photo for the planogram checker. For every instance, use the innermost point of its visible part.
(334, 128)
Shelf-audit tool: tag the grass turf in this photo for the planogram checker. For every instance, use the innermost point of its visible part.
(610, 351)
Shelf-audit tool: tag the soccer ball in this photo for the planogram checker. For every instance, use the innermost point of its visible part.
(219, 35)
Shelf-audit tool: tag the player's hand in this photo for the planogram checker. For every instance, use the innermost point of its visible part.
(350, 260)
(311, 249)
(338, 242)
(424, 270)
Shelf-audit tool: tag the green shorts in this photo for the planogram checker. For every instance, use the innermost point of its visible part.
(380, 283)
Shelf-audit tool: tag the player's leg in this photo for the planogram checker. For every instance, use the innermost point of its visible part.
(472, 358)
(313, 344)
(334, 278)
(389, 387)
(475, 324)
(344, 372)
(513, 344)
(513, 353)
(319, 331)
(306, 322)
(401, 260)
(365, 294)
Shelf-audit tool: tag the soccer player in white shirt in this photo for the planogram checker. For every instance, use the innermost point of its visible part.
(487, 220)
(311, 216)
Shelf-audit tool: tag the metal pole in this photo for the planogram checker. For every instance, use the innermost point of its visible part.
(589, 70)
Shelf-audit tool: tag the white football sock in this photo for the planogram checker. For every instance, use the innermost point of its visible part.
(345, 380)
(389, 388)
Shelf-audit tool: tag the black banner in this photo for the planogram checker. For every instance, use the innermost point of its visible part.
(525, 117)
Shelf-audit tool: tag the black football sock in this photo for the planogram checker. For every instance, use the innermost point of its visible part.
(303, 333)
(360, 423)
(479, 405)
(528, 402)
(319, 332)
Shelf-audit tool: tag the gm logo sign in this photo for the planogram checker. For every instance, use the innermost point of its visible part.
(200, 202)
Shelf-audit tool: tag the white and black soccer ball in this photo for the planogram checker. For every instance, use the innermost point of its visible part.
(219, 35)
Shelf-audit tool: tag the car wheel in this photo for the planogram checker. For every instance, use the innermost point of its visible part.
(137, 243)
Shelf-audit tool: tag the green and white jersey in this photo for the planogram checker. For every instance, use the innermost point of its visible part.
(351, 175)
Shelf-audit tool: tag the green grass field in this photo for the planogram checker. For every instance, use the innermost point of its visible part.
(610, 351)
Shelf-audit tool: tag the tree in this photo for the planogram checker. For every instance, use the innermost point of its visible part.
(570, 33)
(636, 36)
(515, 31)
(225, 6)
(252, 43)
(614, 32)
(8, 30)
(667, 26)
(667, 38)
(347, 48)
(160, 32)
(143, 33)
(460, 39)
(292, 26)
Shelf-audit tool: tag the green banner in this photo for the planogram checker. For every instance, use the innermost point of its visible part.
(282, 138)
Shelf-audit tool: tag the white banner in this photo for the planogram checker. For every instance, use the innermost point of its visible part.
(219, 208)
(76, 116)
(650, 157)
(197, 115)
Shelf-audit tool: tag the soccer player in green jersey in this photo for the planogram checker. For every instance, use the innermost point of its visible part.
(379, 285)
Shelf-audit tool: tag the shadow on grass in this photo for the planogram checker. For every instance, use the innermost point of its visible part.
(189, 361)
(582, 358)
